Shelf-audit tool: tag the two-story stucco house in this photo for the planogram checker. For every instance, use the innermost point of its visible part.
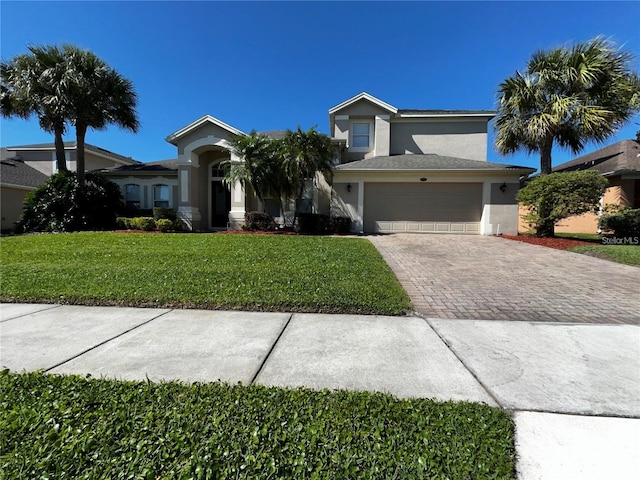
(396, 171)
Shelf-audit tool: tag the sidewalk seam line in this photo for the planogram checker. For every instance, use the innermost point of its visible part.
(106, 341)
(264, 362)
(51, 307)
(473, 373)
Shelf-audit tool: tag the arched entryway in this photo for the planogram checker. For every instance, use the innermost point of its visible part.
(205, 202)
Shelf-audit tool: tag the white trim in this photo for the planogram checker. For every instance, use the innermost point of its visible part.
(173, 138)
(128, 161)
(17, 187)
(367, 97)
(445, 115)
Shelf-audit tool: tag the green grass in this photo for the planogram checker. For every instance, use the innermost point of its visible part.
(75, 427)
(627, 254)
(243, 272)
(587, 237)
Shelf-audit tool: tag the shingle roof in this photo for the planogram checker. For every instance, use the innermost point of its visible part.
(160, 166)
(428, 161)
(620, 156)
(71, 145)
(14, 171)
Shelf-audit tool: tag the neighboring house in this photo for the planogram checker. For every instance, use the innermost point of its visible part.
(17, 179)
(620, 164)
(26, 167)
(396, 170)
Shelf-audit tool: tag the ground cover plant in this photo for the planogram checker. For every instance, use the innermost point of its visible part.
(80, 427)
(244, 272)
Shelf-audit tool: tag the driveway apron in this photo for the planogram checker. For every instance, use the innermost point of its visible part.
(491, 278)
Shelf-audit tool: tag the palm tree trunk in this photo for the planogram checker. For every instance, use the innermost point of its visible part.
(81, 131)
(545, 157)
(61, 161)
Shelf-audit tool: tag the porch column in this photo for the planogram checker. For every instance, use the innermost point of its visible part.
(188, 193)
(238, 199)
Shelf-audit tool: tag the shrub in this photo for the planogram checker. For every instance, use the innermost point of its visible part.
(122, 223)
(313, 223)
(164, 224)
(178, 226)
(340, 224)
(550, 198)
(147, 224)
(161, 213)
(260, 221)
(60, 205)
(625, 223)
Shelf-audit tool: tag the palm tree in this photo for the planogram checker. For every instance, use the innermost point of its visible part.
(253, 170)
(67, 84)
(32, 84)
(96, 95)
(304, 155)
(566, 96)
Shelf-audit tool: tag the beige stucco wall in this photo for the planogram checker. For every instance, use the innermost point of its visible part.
(11, 200)
(463, 139)
(362, 108)
(43, 161)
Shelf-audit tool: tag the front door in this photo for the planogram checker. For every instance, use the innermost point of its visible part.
(220, 204)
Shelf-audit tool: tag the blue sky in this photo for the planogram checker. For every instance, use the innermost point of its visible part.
(276, 65)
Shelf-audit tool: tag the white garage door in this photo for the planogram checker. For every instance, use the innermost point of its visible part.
(422, 207)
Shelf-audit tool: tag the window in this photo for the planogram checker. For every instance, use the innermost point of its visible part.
(360, 136)
(161, 195)
(132, 196)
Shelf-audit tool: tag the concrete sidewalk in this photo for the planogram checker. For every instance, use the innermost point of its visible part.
(574, 388)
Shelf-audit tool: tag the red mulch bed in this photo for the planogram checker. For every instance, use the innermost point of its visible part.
(553, 242)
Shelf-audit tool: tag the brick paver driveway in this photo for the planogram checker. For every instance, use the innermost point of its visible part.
(480, 277)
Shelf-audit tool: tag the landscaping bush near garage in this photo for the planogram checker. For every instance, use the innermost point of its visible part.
(76, 427)
(239, 272)
(625, 223)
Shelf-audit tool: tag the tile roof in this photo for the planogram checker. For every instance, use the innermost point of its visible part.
(620, 156)
(14, 171)
(428, 161)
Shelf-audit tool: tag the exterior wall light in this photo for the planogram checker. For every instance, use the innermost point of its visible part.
(349, 187)
(423, 179)
(503, 187)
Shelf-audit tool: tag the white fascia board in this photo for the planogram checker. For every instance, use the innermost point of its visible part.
(17, 187)
(130, 160)
(364, 96)
(445, 115)
(449, 170)
(201, 121)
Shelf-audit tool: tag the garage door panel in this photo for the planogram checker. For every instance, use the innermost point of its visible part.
(428, 208)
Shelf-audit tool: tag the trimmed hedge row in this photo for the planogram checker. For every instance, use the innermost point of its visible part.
(148, 224)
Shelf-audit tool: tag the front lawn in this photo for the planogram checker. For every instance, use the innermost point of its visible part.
(627, 254)
(75, 427)
(241, 272)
